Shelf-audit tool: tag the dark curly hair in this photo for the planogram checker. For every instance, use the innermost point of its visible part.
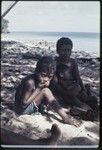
(46, 64)
(63, 40)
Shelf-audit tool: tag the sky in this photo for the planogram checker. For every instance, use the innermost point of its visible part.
(56, 16)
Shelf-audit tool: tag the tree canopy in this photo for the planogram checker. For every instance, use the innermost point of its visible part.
(4, 27)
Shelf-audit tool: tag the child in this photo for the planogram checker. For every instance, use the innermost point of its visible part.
(34, 89)
(67, 82)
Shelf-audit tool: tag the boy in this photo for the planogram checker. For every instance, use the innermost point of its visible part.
(67, 82)
(34, 89)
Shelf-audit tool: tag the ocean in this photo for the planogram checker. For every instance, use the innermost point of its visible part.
(82, 41)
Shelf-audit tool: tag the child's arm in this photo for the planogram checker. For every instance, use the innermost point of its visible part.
(29, 93)
(77, 76)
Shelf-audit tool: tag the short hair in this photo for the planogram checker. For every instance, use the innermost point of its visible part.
(63, 40)
(46, 64)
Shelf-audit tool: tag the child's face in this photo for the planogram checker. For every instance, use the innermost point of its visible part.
(44, 77)
(65, 75)
(65, 51)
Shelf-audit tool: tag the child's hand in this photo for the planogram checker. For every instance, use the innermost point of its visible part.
(43, 84)
(47, 83)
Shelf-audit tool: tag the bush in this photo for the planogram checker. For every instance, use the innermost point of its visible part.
(4, 26)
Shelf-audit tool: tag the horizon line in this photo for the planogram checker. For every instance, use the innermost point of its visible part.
(56, 31)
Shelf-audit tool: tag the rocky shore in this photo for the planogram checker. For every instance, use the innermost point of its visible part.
(18, 59)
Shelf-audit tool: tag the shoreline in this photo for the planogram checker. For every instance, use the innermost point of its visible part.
(47, 45)
(82, 44)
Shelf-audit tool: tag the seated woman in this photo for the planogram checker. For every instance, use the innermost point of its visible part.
(67, 82)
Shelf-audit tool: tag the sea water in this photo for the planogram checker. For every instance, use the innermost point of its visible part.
(82, 41)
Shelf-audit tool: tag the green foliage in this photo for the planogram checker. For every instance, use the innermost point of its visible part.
(4, 26)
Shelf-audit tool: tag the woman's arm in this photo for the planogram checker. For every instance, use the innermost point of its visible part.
(77, 76)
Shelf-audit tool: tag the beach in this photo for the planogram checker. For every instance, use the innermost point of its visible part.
(18, 59)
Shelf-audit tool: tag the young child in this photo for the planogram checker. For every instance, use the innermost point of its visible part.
(34, 89)
(67, 82)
